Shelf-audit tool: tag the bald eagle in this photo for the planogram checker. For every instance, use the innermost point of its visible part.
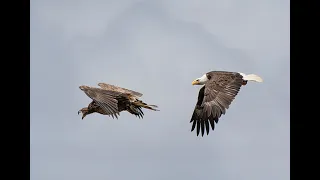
(219, 90)
(111, 100)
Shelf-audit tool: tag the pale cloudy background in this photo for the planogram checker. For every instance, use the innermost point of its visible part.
(158, 47)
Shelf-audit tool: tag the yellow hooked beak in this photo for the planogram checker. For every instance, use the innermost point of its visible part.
(195, 82)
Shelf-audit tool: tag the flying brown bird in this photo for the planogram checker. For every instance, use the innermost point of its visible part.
(111, 100)
(219, 90)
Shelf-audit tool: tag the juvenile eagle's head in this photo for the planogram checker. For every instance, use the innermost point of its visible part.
(83, 87)
(84, 111)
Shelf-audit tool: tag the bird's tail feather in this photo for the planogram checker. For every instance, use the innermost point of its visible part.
(144, 105)
(251, 77)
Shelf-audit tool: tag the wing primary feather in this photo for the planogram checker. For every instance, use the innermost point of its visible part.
(198, 127)
(216, 120)
(202, 127)
(212, 124)
(193, 125)
(207, 126)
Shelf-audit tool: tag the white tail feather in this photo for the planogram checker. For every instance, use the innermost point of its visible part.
(251, 77)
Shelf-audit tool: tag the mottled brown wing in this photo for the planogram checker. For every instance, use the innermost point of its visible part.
(118, 89)
(97, 108)
(218, 94)
(106, 99)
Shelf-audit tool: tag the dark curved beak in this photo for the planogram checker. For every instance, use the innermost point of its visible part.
(83, 114)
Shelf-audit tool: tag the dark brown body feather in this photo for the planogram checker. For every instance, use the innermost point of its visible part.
(111, 100)
(214, 98)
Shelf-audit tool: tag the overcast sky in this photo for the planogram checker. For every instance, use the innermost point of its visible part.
(158, 47)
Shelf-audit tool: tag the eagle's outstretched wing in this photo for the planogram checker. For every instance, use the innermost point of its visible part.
(106, 99)
(119, 89)
(214, 98)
